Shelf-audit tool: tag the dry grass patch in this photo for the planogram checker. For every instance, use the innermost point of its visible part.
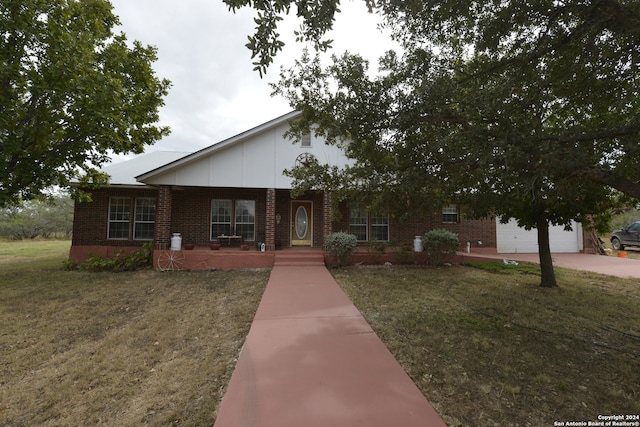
(494, 349)
(125, 349)
(631, 252)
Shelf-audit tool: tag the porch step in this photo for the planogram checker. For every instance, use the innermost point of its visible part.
(291, 258)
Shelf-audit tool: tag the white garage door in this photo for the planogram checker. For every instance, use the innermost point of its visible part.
(512, 239)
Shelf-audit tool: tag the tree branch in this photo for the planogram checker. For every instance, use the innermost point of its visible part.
(618, 132)
(614, 180)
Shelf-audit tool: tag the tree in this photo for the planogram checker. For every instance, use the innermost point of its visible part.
(48, 218)
(520, 109)
(71, 92)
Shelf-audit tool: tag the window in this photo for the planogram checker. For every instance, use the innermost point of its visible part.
(450, 214)
(119, 214)
(380, 228)
(306, 140)
(243, 215)
(220, 218)
(246, 219)
(358, 222)
(362, 225)
(145, 219)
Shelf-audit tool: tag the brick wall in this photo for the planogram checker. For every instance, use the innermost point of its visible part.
(191, 207)
(163, 217)
(191, 211)
(270, 226)
(318, 215)
(90, 221)
(283, 208)
(468, 230)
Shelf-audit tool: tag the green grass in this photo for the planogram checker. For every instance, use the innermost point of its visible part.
(20, 251)
(501, 267)
(491, 348)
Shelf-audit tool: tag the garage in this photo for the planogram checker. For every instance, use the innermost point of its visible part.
(511, 239)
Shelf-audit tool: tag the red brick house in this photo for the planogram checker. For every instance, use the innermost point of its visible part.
(234, 191)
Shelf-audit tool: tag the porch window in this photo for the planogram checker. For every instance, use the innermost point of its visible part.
(450, 214)
(380, 228)
(246, 219)
(145, 219)
(119, 215)
(220, 218)
(358, 222)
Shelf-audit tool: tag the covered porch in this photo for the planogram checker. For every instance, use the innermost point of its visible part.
(274, 219)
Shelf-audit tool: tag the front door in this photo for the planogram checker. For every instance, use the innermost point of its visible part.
(302, 227)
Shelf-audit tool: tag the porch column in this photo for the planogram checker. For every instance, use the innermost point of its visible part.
(270, 224)
(163, 218)
(327, 224)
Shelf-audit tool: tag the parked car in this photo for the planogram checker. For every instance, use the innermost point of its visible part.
(629, 236)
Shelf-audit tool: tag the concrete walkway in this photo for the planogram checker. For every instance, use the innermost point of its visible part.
(311, 359)
(602, 264)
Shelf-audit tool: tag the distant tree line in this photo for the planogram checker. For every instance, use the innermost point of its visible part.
(624, 219)
(47, 218)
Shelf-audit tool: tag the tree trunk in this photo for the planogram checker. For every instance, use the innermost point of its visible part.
(548, 276)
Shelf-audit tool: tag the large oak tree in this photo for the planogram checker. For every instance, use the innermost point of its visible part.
(524, 109)
(72, 91)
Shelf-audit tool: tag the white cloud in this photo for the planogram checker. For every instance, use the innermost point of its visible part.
(215, 93)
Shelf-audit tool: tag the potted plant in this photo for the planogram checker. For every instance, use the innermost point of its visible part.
(214, 246)
(189, 246)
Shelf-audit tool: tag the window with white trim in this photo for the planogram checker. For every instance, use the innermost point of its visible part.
(245, 217)
(145, 219)
(358, 222)
(220, 218)
(450, 214)
(119, 215)
(380, 228)
(365, 226)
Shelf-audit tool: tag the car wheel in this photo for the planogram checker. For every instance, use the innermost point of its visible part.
(617, 245)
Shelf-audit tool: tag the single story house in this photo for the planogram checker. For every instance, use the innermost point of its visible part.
(234, 191)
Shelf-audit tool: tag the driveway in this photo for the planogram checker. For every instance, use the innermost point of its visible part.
(602, 264)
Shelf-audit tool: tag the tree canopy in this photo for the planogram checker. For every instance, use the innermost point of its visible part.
(38, 218)
(524, 109)
(71, 93)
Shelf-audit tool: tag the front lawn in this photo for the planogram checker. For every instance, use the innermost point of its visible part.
(120, 349)
(487, 347)
(491, 348)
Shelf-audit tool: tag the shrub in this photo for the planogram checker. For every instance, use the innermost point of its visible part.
(136, 260)
(341, 246)
(438, 244)
(376, 251)
(404, 254)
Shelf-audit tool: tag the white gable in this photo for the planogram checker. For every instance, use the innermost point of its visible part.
(253, 159)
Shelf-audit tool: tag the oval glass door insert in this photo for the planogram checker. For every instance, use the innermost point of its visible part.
(301, 222)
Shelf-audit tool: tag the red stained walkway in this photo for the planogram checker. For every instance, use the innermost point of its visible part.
(311, 359)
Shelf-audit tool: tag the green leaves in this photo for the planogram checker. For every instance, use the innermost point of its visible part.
(340, 246)
(317, 19)
(524, 109)
(71, 91)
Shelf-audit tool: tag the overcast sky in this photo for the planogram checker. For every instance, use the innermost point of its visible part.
(215, 93)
